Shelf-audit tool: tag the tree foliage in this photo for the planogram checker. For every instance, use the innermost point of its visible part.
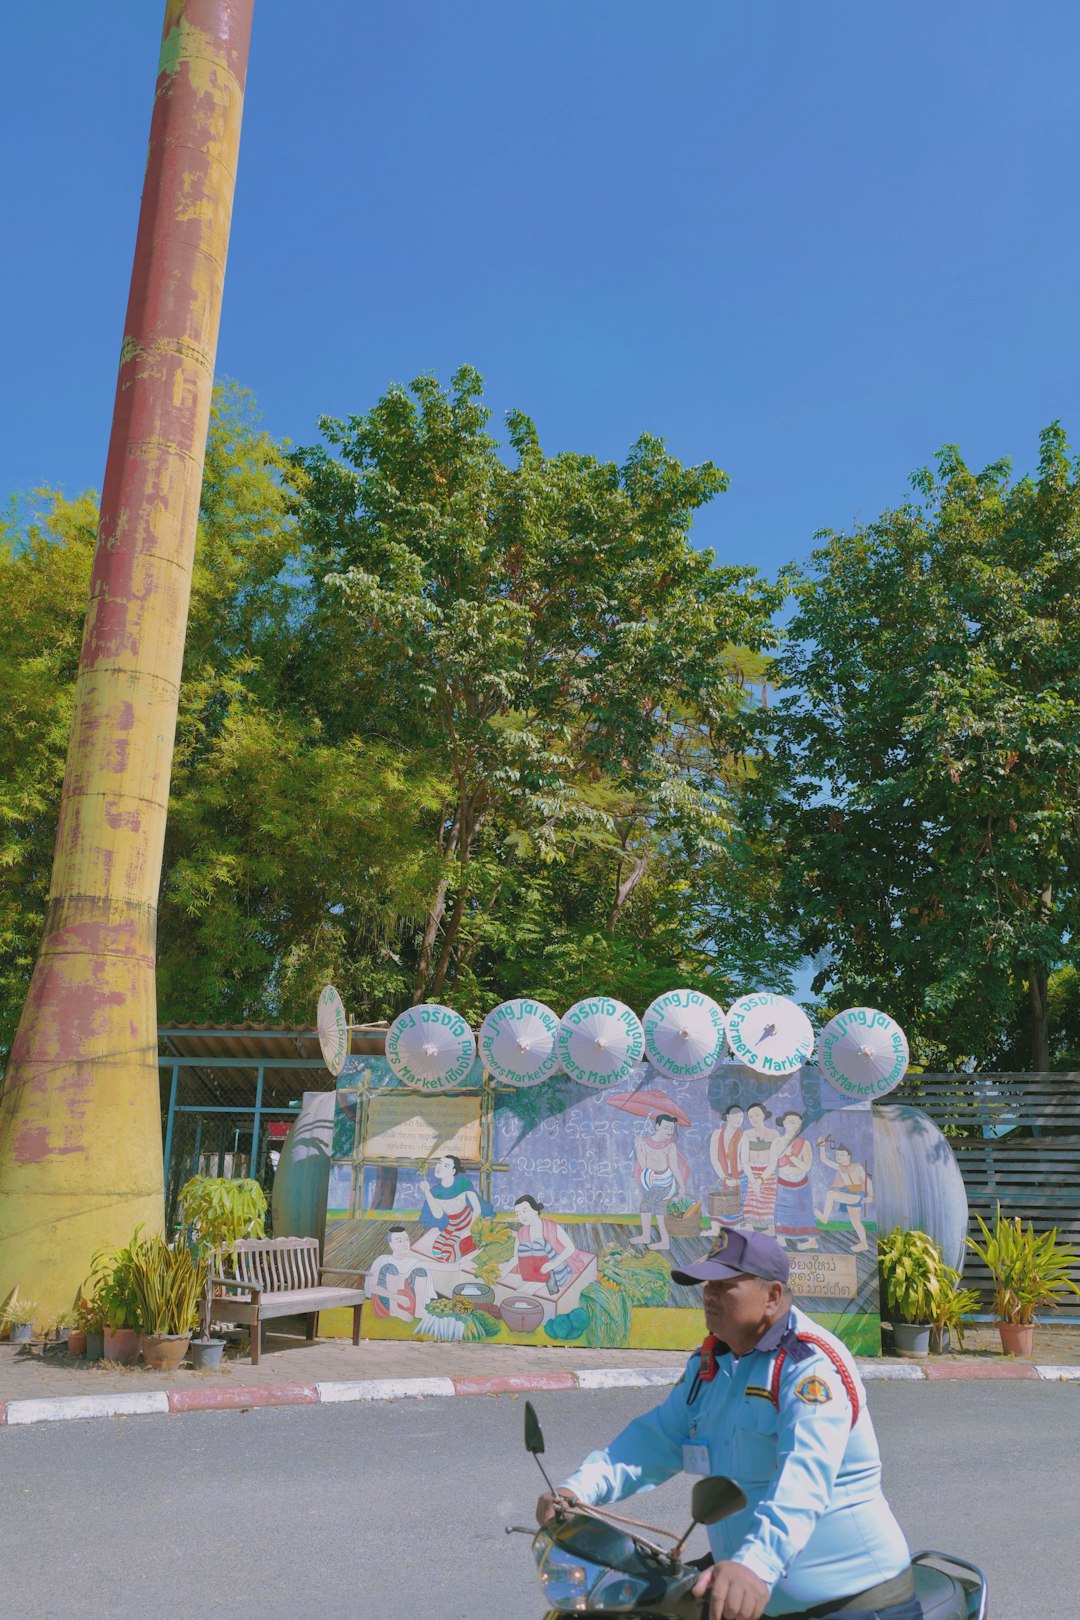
(929, 737)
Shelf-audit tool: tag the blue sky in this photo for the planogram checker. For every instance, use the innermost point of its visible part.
(811, 242)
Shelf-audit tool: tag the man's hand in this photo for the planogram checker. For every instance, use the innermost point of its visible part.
(735, 1592)
(551, 1502)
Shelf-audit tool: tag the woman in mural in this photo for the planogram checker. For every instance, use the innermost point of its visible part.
(793, 1158)
(455, 1204)
(724, 1157)
(662, 1172)
(850, 1191)
(397, 1284)
(542, 1249)
(756, 1164)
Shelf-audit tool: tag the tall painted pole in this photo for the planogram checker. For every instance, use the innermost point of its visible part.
(80, 1119)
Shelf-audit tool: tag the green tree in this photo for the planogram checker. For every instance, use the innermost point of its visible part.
(930, 735)
(545, 635)
(46, 547)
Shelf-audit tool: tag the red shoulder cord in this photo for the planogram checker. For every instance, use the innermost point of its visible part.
(845, 1376)
(707, 1365)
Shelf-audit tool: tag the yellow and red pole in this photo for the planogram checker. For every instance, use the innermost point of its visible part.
(80, 1121)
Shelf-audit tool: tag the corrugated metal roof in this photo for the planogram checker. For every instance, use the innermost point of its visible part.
(261, 1042)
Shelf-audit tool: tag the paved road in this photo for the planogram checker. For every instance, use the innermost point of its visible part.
(396, 1511)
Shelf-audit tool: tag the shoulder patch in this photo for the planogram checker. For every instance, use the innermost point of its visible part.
(813, 1390)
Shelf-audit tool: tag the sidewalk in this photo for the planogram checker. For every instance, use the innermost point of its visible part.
(37, 1385)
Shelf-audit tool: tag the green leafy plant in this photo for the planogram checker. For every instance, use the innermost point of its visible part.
(168, 1285)
(220, 1211)
(950, 1315)
(1029, 1269)
(17, 1312)
(643, 1279)
(111, 1277)
(494, 1241)
(916, 1282)
(610, 1313)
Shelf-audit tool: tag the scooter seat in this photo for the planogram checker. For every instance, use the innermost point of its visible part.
(942, 1597)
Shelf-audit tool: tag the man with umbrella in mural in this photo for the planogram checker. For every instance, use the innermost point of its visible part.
(777, 1402)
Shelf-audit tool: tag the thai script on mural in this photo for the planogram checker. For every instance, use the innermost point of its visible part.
(824, 1276)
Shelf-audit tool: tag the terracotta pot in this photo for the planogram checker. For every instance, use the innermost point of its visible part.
(122, 1346)
(76, 1342)
(522, 1313)
(1017, 1338)
(165, 1351)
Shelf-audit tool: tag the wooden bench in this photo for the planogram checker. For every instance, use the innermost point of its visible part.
(280, 1277)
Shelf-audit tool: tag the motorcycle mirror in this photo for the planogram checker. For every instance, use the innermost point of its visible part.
(534, 1442)
(711, 1499)
(715, 1498)
(534, 1434)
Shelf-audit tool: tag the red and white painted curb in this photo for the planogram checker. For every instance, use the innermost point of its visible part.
(243, 1397)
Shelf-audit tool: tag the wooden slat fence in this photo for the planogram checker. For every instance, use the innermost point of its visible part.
(1016, 1138)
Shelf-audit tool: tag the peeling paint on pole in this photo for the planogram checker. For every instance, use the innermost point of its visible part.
(80, 1122)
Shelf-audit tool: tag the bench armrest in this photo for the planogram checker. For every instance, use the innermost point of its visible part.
(255, 1289)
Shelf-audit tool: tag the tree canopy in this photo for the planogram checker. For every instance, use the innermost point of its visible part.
(463, 720)
(929, 737)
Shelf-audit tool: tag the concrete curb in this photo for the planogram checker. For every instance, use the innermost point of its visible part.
(244, 1397)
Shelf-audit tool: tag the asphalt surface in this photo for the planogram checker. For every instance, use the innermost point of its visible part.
(395, 1511)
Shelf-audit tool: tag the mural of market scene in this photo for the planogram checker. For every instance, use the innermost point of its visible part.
(551, 1210)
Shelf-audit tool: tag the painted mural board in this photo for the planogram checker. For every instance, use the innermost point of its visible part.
(554, 1213)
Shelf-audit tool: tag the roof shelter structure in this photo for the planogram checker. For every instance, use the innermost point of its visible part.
(229, 1092)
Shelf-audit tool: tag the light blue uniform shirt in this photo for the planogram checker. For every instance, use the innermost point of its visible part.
(816, 1526)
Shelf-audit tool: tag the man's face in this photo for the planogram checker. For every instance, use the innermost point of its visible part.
(399, 1243)
(739, 1309)
(665, 1129)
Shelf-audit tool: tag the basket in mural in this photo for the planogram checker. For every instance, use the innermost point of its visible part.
(725, 1206)
(684, 1219)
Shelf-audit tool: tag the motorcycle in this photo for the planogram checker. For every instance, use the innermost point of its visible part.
(592, 1561)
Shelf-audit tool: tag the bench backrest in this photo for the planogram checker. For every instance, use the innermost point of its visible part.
(278, 1264)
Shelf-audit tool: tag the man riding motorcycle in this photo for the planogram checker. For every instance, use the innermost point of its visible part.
(776, 1401)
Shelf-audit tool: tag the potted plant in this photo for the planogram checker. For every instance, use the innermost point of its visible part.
(76, 1339)
(952, 1311)
(18, 1317)
(916, 1286)
(217, 1213)
(90, 1314)
(1029, 1270)
(112, 1279)
(167, 1285)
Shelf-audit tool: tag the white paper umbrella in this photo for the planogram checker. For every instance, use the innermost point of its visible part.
(684, 1034)
(517, 1042)
(430, 1048)
(600, 1041)
(333, 1027)
(863, 1053)
(769, 1034)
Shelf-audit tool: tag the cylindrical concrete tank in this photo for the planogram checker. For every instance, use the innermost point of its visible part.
(917, 1181)
(298, 1200)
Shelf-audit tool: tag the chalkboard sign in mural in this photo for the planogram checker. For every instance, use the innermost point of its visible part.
(553, 1213)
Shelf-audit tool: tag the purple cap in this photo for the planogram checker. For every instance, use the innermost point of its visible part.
(737, 1253)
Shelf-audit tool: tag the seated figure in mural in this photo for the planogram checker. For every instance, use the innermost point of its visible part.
(662, 1172)
(756, 1164)
(851, 1190)
(724, 1157)
(398, 1285)
(542, 1249)
(793, 1158)
(454, 1204)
